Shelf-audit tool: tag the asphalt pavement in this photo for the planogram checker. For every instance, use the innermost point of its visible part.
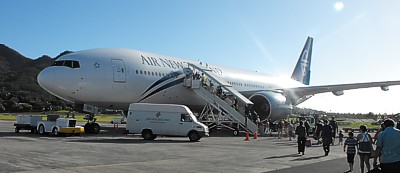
(114, 151)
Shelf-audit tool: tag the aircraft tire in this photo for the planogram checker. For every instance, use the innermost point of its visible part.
(95, 128)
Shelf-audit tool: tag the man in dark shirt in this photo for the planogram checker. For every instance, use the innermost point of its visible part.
(335, 129)
(307, 126)
(326, 137)
(317, 133)
(301, 138)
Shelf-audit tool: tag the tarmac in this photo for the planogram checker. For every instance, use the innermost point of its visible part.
(114, 151)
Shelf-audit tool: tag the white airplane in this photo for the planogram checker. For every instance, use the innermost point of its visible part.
(114, 78)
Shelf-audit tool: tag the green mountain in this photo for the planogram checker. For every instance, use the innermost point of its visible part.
(19, 90)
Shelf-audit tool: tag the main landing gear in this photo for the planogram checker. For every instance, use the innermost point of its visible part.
(91, 127)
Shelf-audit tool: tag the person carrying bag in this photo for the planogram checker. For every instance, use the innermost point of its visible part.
(364, 148)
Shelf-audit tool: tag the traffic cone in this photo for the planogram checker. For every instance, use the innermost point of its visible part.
(247, 136)
(255, 136)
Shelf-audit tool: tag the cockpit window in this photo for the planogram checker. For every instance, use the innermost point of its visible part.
(76, 64)
(67, 63)
(58, 63)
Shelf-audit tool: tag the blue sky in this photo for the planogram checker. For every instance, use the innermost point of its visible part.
(358, 41)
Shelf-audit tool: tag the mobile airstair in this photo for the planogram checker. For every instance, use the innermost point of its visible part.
(225, 106)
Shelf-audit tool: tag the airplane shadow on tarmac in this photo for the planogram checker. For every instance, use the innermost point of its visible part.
(128, 141)
(296, 156)
(308, 158)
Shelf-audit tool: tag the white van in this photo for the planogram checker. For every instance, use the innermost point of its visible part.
(151, 120)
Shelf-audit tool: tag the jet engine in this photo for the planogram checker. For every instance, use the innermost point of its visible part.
(272, 105)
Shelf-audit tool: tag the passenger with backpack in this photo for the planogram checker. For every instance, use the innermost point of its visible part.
(365, 148)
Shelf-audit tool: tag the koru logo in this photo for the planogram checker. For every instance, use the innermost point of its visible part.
(305, 56)
(158, 114)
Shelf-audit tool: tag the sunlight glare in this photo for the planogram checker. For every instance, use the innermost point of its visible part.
(339, 6)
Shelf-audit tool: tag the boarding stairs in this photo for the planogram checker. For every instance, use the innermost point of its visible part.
(227, 113)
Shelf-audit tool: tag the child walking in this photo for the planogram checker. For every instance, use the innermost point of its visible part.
(341, 137)
(351, 144)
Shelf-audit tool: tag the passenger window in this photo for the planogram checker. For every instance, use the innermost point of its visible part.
(186, 118)
(145, 73)
(141, 72)
(159, 74)
(152, 73)
(137, 72)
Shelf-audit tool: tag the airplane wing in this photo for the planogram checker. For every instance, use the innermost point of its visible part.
(336, 89)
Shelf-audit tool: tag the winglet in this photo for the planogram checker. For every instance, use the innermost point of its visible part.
(302, 70)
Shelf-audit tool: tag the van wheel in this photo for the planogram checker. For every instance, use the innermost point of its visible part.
(194, 136)
(17, 129)
(55, 131)
(41, 130)
(147, 135)
(153, 137)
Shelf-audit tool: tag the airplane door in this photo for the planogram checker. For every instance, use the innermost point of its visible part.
(119, 70)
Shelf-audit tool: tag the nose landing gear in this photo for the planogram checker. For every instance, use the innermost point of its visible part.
(91, 127)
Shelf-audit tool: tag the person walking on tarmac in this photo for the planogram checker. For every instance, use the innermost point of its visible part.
(307, 126)
(364, 147)
(335, 129)
(387, 148)
(351, 145)
(301, 138)
(290, 129)
(279, 127)
(326, 137)
(317, 133)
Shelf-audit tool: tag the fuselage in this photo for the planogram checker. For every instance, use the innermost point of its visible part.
(114, 78)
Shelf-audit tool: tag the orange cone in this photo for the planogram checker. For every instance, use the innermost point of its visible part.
(255, 136)
(247, 136)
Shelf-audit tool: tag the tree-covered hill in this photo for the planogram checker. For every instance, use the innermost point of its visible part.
(19, 90)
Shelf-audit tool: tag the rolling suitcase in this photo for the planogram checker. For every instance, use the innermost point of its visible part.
(308, 142)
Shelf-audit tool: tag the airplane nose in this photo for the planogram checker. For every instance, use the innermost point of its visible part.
(46, 79)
